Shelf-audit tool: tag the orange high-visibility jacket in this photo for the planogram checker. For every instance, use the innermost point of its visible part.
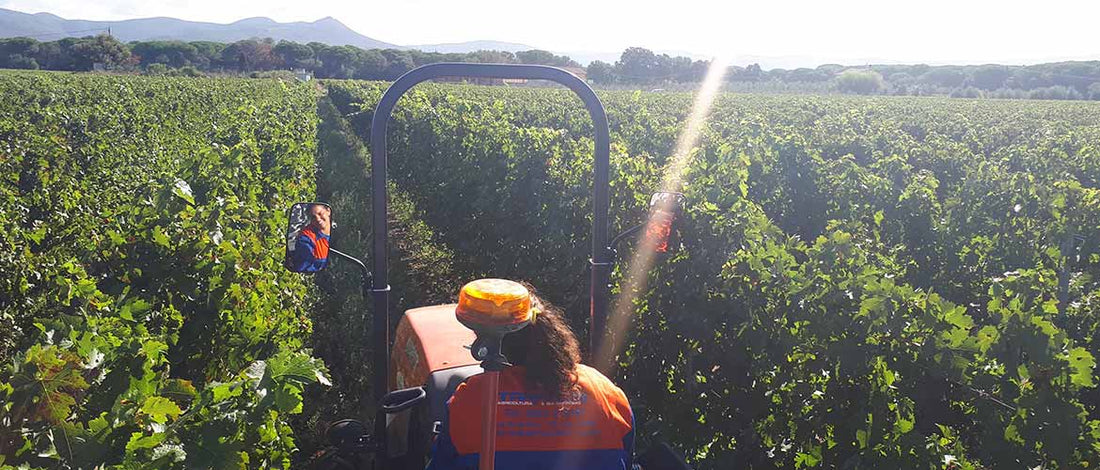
(311, 250)
(592, 428)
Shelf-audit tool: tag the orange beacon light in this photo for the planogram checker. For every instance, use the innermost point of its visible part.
(494, 306)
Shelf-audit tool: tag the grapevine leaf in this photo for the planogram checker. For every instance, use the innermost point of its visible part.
(288, 399)
(141, 441)
(1081, 363)
(986, 336)
(169, 453)
(159, 237)
(182, 190)
(160, 409)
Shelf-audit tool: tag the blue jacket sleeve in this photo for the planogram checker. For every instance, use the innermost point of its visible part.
(628, 443)
(444, 455)
(302, 256)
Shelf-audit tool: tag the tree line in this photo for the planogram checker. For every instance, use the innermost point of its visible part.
(1060, 80)
(636, 67)
(248, 55)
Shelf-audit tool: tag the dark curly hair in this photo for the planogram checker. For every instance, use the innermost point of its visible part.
(547, 349)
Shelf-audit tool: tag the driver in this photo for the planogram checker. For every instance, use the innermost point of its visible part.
(554, 413)
(311, 249)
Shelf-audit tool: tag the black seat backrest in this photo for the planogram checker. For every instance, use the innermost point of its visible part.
(442, 384)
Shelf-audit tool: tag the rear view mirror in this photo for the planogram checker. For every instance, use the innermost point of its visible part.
(309, 227)
(660, 229)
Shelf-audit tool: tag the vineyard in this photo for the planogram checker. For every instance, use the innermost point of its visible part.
(861, 283)
(145, 320)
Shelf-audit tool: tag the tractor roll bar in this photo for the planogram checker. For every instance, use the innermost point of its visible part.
(601, 255)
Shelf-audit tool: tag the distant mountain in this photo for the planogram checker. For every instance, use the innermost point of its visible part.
(48, 27)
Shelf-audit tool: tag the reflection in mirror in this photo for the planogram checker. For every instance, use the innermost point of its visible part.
(309, 227)
(660, 230)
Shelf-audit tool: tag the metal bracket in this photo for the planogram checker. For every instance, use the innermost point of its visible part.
(593, 263)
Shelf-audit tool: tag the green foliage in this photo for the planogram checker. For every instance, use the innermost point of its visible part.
(421, 273)
(245, 56)
(861, 82)
(541, 57)
(863, 283)
(146, 318)
(601, 73)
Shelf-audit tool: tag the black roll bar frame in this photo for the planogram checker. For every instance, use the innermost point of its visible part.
(601, 258)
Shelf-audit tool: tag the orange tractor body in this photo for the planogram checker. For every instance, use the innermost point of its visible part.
(428, 339)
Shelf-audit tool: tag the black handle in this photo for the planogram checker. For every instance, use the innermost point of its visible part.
(401, 400)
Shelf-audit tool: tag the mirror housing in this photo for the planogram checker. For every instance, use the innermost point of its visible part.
(661, 233)
(309, 228)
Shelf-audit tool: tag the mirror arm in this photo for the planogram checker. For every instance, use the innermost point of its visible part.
(618, 238)
(362, 266)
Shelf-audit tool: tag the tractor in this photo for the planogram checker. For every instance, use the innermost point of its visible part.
(432, 351)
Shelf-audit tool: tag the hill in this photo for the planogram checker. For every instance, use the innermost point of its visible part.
(46, 26)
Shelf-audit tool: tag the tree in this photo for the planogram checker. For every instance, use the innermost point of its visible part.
(682, 71)
(966, 92)
(699, 70)
(372, 65)
(492, 57)
(1094, 91)
(208, 53)
(397, 63)
(170, 53)
(156, 68)
(541, 57)
(638, 65)
(949, 77)
(295, 55)
(1057, 92)
(250, 54)
(337, 61)
(18, 61)
(601, 72)
(22, 46)
(863, 82)
(990, 77)
(900, 83)
(56, 55)
(101, 49)
(18, 53)
(809, 75)
(1028, 78)
(752, 73)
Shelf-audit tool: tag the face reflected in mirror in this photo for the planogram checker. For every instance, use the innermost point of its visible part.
(307, 237)
(320, 217)
(667, 201)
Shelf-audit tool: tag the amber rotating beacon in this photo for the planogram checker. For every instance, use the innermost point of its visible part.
(492, 308)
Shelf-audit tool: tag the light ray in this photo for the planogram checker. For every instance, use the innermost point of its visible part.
(618, 323)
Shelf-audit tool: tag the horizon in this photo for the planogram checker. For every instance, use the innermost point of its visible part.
(829, 36)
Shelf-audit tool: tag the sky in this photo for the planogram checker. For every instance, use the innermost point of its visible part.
(849, 32)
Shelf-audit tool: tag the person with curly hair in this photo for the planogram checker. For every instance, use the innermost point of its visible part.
(554, 412)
